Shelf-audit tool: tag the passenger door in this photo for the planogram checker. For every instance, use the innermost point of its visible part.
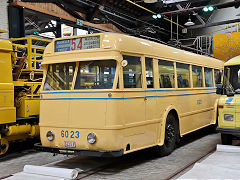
(134, 94)
(151, 99)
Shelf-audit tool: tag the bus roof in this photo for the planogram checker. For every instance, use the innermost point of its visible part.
(129, 44)
(233, 61)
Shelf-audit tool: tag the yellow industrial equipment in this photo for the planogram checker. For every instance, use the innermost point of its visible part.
(20, 82)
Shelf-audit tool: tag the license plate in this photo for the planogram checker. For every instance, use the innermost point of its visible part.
(70, 144)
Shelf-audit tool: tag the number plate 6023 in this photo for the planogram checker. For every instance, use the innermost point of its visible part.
(70, 134)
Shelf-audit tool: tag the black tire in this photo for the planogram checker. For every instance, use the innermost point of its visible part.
(171, 136)
(226, 139)
(213, 128)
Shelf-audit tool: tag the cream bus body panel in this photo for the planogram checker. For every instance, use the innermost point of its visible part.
(116, 131)
(126, 116)
(110, 120)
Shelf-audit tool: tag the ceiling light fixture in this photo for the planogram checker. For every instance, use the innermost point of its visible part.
(208, 8)
(154, 16)
(189, 22)
(150, 1)
(159, 15)
(205, 9)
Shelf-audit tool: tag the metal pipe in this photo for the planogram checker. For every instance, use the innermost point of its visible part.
(219, 6)
(32, 130)
(171, 29)
(177, 28)
(206, 43)
(214, 24)
(153, 13)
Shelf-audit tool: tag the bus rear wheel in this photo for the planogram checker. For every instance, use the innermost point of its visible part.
(226, 139)
(171, 134)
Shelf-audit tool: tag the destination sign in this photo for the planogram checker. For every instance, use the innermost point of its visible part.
(90, 42)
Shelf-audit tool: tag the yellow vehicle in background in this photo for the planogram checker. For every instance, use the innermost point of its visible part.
(111, 94)
(229, 102)
(20, 82)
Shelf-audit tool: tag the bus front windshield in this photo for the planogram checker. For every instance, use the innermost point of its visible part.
(95, 74)
(232, 79)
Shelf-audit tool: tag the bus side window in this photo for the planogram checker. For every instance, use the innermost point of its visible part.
(166, 74)
(183, 75)
(149, 72)
(208, 77)
(132, 72)
(197, 76)
(217, 76)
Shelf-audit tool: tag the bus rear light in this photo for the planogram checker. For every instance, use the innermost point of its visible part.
(220, 106)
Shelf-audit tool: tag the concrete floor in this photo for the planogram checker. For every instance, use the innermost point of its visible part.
(139, 165)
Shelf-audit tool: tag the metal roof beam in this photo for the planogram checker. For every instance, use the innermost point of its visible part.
(66, 7)
(30, 32)
(214, 24)
(96, 10)
(235, 3)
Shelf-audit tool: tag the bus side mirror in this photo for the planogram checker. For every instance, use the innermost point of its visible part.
(219, 89)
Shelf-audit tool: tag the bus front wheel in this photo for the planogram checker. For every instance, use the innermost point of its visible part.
(226, 139)
(171, 135)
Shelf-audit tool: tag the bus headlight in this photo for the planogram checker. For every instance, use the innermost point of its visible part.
(91, 138)
(50, 135)
(228, 117)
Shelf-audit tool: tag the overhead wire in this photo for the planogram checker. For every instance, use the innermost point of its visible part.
(144, 22)
(154, 13)
(129, 29)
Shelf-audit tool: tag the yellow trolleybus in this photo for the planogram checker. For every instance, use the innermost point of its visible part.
(229, 101)
(111, 94)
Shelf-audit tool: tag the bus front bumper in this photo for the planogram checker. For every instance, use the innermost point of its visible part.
(235, 132)
(78, 152)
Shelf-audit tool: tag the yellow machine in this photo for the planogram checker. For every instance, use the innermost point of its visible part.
(20, 82)
(110, 94)
(229, 102)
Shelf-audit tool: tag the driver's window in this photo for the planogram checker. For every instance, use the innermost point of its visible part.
(98, 74)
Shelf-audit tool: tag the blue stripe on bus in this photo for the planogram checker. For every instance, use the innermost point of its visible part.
(137, 97)
(124, 91)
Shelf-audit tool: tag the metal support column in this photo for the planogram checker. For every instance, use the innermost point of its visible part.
(59, 28)
(16, 22)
